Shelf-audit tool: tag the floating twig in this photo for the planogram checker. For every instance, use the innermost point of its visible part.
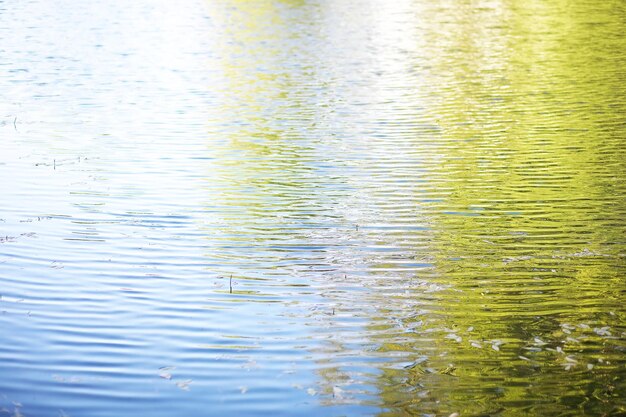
(230, 283)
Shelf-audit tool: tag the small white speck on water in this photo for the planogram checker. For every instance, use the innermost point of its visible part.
(184, 385)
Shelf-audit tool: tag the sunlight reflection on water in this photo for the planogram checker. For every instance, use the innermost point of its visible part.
(312, 208)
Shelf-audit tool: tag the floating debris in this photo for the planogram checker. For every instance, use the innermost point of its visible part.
(337, 392)
(423, 394)
(517, 259)
(417, 362)
(164, 372)
(184, 385)
(495, 344)
(57, 265)
(584, 253)
(311, 392)
(454, 337)
(449, 370)
(570, 362)
(602, 331)
(532, 349)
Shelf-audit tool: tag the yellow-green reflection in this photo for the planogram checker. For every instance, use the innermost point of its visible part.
(529, 238)
(460, 164)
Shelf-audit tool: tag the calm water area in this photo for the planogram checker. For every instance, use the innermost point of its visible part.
(312, 208)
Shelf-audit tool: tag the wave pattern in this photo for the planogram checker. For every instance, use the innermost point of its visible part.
(312, 208)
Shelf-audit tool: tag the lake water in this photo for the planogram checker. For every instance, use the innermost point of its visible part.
(312, 208)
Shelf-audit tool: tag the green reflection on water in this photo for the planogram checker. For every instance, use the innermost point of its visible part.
(529, 240)
(493, 143)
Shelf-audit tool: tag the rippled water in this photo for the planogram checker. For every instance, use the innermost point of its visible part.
(421, 205)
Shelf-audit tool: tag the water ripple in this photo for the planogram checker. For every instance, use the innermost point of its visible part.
(312, 208)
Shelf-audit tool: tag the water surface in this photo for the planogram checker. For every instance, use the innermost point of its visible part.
(328, 208)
